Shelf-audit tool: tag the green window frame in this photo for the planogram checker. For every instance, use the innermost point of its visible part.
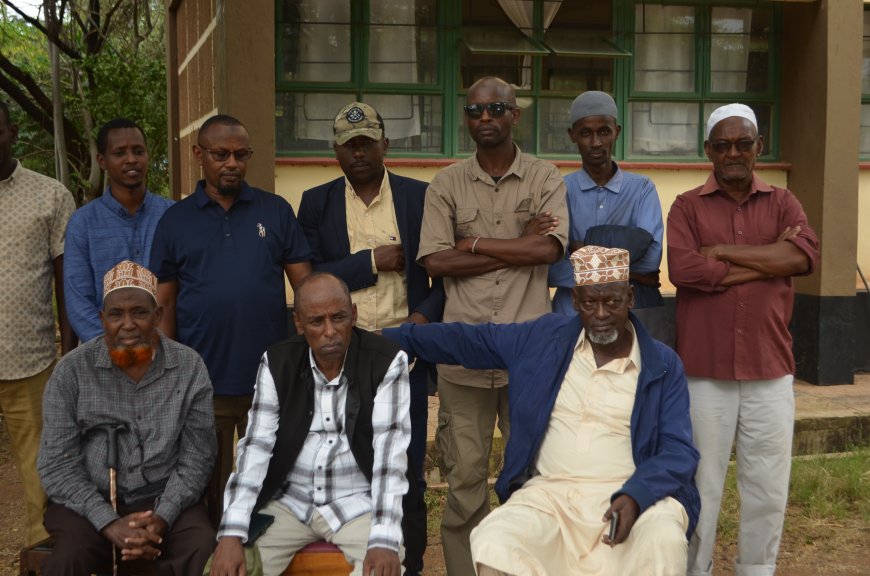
(440, 93)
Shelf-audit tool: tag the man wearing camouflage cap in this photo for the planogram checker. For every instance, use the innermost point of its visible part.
(599, 427)
(365, 228)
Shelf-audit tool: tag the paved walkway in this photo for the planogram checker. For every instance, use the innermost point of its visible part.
(829, 418)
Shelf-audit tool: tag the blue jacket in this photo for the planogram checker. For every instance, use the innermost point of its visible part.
(536, 355)
(323, 217)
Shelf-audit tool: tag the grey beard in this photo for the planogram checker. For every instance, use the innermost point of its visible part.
(603, 339)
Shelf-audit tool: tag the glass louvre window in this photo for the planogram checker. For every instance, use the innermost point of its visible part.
(403, 44)
(412, 122)
(314, 40)
(664, 48)
(689, 59)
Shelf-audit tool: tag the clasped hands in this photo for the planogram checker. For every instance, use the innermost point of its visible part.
(137, 535)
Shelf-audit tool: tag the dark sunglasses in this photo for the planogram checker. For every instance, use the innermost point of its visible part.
(495, 109)
(219, 155)
(723, 146)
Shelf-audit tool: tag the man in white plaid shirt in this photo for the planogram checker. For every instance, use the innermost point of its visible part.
(324, 452)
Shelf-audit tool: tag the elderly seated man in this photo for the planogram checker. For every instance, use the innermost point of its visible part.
(323, 457)
(600, 434)
(154, 396)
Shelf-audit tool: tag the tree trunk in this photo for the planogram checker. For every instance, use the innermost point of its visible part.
(60, 151)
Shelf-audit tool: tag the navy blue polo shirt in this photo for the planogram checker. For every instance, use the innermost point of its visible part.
(229, 266)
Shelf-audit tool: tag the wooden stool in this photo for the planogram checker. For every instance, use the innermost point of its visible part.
(319, 559)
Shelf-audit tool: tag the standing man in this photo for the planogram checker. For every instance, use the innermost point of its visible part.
(220, 256)
(117, 226)
(493, 224)
(610, 207)
(733, 246)
(34, 211)
(325, 452)
(156, 393)
(365, 229)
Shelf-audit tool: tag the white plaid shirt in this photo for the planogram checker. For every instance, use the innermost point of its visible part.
(325, 476)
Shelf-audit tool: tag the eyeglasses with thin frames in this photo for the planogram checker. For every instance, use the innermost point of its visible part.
(495, 109)
(221, 155)
(723, 146)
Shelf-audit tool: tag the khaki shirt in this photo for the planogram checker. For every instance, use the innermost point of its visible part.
(34, 210)
(384, 304)
(464, 201)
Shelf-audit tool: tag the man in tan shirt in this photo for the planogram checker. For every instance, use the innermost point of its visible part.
(492, 225)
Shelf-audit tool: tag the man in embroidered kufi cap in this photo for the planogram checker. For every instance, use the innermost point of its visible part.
(600, 433)
(157, 394)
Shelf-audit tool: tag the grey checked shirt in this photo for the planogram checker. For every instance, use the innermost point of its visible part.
(167, 452)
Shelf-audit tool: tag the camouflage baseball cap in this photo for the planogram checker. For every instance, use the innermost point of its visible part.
(357, 119)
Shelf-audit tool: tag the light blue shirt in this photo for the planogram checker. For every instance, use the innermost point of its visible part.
(99, 235)
(627, 200)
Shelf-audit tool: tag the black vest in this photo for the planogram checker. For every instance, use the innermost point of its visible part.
(367, 361)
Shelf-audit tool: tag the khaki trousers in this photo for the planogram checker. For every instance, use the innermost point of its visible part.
(230, 418)
(287, 535)
(21, 404)
(466, 421)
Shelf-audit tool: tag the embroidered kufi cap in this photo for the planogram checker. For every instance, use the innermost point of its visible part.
(357, 119)
(128, 274)
(728, 111)
(599, 265)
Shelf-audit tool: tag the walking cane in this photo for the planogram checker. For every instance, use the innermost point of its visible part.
(111, 430)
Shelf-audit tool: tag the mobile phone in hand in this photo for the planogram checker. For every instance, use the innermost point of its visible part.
(614, 521)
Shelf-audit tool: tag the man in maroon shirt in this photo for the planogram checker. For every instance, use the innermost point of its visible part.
(733, 246)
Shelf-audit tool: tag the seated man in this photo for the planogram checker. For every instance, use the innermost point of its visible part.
(599, 426)
(331, 405)
(156, 394)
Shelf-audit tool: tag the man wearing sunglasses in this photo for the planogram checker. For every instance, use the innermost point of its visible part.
(492, 225)
(733, 246)
(220, 256)
(613, 208)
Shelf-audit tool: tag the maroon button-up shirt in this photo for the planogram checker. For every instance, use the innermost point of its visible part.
(738, 332)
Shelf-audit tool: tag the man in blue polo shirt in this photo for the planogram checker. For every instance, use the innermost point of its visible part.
(117, 226)
(220, 256)
(613, 208)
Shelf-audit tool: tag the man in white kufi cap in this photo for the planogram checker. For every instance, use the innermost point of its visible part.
(733, 246)
(599, 466)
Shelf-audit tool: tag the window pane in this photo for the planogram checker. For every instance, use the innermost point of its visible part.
(314, 42)
(579, 25)
(739, 50)
(664, 49)
(553, 130)
(865, 130)
(403, 44)
(663, 129)
(411, 122)
(763, 114)
(303, 122)
(523, 133)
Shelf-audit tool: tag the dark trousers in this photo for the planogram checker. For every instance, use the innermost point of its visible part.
(413, 504)
(79, 550)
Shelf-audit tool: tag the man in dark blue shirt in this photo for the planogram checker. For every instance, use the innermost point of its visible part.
(220, 256)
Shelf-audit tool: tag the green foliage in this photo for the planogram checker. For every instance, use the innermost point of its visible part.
(124, 77)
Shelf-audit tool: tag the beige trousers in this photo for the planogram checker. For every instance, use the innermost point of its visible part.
(21, 404)
(466, 422)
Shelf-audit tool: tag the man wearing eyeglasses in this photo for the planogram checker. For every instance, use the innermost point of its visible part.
(611, 207)
(733, 246)
(220, 256)
(491, 226)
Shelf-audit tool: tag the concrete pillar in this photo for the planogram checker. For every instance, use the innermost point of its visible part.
(820, 124)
